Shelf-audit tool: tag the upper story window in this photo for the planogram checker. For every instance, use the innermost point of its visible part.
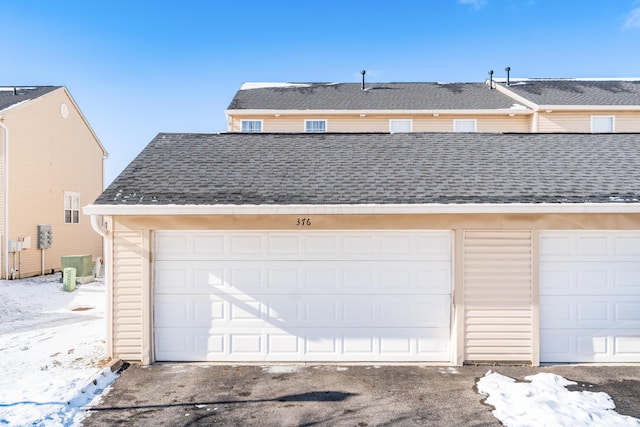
(71, 207)
(315, 125)
(602, 124)
(252, 126)
(465, 125)
(400, 126)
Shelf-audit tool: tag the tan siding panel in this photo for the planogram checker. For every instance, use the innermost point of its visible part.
(627, 122)
(580, 121)
(497, 288)
(349, 122)
(128, 267)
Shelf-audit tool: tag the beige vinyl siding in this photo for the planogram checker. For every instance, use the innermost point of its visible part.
(380, 122)
(580, 121)
(497, 286)
(625, 121)
(48, 155)
(128, 295)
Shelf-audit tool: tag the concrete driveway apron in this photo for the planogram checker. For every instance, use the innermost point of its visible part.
(325, 395)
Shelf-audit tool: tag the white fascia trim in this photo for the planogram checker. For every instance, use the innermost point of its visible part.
(599, 109)
(477, 208)
(241, 114)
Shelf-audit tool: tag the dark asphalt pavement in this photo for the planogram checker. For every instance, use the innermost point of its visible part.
(324, 395)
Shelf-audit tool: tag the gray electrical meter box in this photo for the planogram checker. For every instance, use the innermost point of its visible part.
(44, 236)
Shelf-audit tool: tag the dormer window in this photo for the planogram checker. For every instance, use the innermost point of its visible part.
(315, 125)
(400, 126)
(602, 124)
(465, 125)
(251, 126)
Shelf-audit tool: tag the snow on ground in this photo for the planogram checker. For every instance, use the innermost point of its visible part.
(545, 401)
(52, 351)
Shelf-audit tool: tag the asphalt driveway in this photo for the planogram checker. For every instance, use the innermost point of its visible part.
(200, 394)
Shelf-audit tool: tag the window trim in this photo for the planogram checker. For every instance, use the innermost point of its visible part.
(474, 121)
(410, 121)
(74, 213)
(613, 122)
(326, 125)
(242, 122)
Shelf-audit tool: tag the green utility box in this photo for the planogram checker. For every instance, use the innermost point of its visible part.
(83, 265)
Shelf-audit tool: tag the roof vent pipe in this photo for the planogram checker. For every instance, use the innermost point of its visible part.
(507, 70)
(490, 79)
(15, 91)
(363, 72)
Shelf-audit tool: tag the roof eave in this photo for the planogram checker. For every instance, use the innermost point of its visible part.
(593, 108)
(431, 208)
(267, 112)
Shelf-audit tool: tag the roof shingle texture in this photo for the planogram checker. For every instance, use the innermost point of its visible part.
(412, 168)
(377, 96)
(579, 92)
(8, 99)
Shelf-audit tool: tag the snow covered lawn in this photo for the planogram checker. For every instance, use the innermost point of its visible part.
(52, 351)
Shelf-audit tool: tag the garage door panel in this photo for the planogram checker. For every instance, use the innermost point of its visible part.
(290, 296)
(589, 312)
(182, 344)
(288, 276)
(590, 346)
(590, 278)
(590, 296)
(190, 245)
(185, 311)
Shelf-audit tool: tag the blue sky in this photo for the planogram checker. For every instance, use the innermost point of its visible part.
(137, 68)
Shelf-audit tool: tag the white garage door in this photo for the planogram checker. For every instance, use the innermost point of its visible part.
(312, 296)
(590, 296)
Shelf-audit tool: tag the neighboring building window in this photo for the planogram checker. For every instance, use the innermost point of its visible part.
(602, 124)
(464, 125)
(71, 207)
(315, 125)
(399, 126)
(252, 126)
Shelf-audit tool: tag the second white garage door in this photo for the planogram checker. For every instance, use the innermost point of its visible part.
(312, 296)
(590, 296)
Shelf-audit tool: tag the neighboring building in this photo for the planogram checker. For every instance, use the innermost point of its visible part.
(379, 107)
(426, 247)
(51, 163)
(578, 105)
(521, 105)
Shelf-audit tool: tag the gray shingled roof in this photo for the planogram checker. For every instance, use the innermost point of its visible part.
(377, 96)
(8, 98)
(411, 168)
(578, 92)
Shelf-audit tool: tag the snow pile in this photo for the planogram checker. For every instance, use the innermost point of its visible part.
(546, 401)
(271, 85)
(52, 344)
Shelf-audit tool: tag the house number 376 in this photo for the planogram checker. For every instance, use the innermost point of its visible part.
(303, 222)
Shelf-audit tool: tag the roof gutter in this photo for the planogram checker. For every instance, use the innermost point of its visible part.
(5, 214)
(428, 208)
(97, 227)
(269, 112)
